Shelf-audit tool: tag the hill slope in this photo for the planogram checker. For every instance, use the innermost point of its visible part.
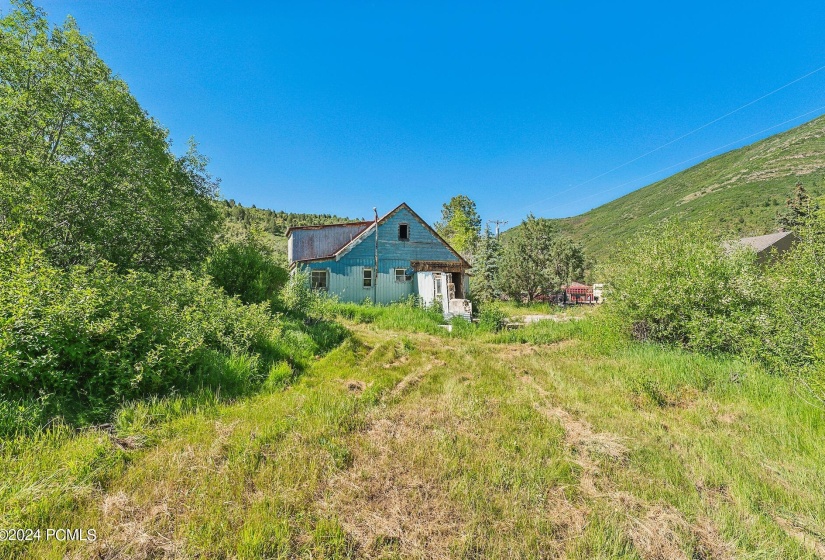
(738, 193)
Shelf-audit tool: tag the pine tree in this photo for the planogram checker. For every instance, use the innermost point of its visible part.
(485, 268)
(799, 208)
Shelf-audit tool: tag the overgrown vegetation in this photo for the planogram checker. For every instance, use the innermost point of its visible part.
(677, 284)
(113, 289)
(538, 260)
(560, 438)
(78, 343)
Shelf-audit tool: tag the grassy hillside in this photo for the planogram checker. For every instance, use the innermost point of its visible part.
(739, 192)
(552, 441)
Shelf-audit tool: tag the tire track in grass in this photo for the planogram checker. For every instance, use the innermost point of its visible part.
(658, 532)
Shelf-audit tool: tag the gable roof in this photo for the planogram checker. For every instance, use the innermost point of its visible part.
(370, 227)
(367, 232)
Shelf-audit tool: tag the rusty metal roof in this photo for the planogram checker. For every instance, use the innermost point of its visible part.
(322, 226)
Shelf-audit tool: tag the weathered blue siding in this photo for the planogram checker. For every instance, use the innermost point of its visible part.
(346, 274)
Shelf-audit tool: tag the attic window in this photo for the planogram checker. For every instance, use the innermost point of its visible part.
(403, 232)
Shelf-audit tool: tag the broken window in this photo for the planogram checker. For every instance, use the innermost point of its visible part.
(402, 276)
(368, 278)
(318, 280)
(404, 232)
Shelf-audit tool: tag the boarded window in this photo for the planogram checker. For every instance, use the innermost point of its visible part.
(404, 232)
(368, 278)
(319, 280)
(402, 276)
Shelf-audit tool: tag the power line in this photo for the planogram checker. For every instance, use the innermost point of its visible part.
(818, 109)
(498, 223)
(683, 136)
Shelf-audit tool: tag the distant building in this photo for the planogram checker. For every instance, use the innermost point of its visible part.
(766, 246)
(576, 292)
(409, 259)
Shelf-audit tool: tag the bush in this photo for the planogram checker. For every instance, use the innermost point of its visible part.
(491, 317)
(248, 270)
(794, 323)
(679, 285)
(298, 297)
(91, 338)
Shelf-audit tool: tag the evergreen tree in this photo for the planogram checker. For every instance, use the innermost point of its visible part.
(485, 268)
(799, 208)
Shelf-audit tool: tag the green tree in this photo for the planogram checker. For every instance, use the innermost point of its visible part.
(88, 173)
(798, 209)
(537, 259)
(460, 224)
(485, 268)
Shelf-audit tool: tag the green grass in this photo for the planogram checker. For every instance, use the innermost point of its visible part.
(738, 193)
(560, 439)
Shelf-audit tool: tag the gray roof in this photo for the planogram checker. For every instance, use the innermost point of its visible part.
(762, 242)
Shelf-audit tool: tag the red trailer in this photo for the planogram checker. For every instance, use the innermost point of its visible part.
(577, 293)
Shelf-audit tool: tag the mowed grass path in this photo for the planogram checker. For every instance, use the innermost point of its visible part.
(407, 445)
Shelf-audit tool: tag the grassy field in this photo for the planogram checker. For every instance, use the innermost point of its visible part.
(556, 440)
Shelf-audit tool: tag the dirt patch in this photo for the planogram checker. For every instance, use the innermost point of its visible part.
(128, 443)
(397, 362)
(355, 386)
(135, 532)
(391, 501)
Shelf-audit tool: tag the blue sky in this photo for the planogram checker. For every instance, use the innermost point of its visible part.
(339, 107)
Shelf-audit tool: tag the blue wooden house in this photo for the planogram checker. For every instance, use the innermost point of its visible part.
(408, 258)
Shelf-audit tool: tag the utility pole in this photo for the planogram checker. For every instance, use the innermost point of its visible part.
(375, 271)
(498, 223)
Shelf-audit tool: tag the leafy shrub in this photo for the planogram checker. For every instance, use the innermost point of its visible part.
(794, 321)
(491, 317)
(297, 295)
(679, 285)
(248, 270)
(93, 338)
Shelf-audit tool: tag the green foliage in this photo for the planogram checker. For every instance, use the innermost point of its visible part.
(403, 316)
(718, 192)
(677, 284)
(78, 342)
(484, 281)
(460, 224)
(799, 208)
(491, 317)
(88, 172)
(537, 260)
(246, 269)
(794, 320)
